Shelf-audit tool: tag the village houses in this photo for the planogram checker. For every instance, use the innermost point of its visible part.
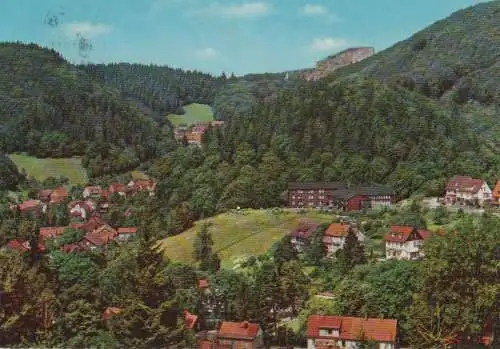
(342, 332)
(336, 195)
(405, 242)
(334, 237)
(463, 189)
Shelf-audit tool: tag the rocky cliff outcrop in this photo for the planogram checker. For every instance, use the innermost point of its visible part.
(339, 60)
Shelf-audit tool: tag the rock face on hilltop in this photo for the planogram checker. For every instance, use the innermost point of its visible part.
(339, 60)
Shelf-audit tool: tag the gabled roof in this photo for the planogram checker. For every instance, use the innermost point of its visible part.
(93, 223)
(45, 193)
(464, 184)
(189, 319)
(101, 235)
(110, 311)
(127, 230)
(72, 248)
(345, 194)
(116, 188)
(316, 185)
(496, 190)
(50, 232)
(29, 204)
(23, 246)
(238, 330)
(337, 230)
(93, 189)
(375, 190)
(304, 230)
(203, 283)
(399, 233)
(353, 328)
(58, 195)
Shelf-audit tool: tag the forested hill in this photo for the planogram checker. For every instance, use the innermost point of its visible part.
(455, 59)
(161, 88)
(49, 108)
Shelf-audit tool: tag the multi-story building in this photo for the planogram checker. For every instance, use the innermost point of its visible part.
(342, 332)
(405, 242)
(334, 237)
(467, 189)
(312, 194)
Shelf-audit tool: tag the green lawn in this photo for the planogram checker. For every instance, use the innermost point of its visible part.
(138, 175)
(43, 168)
(194, 113)
(236, 235)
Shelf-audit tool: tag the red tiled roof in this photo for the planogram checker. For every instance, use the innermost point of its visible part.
(496, 190)
(29, 204)
(304, 230)
(72, 248)
(50, 232)
(101, 235)
(238, 330)
(127, 230)
(189, 319)
(116, 188)
(464, 184)
(17, 245)
(203, 344)
(45, 193)
(399, 233)
(199, 129)
(203, 283)
(351, 328)
(93, 223)
(58, 195)
(23, 246)
(337, 230)
(110, 311)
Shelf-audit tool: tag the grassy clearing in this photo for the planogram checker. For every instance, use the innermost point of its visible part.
(194, 113)
(138, 175)
(236, 235)
(40, 169)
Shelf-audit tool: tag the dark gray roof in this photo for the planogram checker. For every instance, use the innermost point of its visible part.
(316, 185)
(373, 190)
(344, 194)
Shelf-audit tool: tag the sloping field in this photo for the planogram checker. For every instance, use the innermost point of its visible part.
(40, 169)
(239, 234)
(194, 113)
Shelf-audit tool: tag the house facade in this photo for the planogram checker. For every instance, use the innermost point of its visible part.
(239, 335)
(93, 192)
(405, 242)
(299, 237)
(462, 189)
(378, 195)
(334, 237)
(312, 194)
(349, 200)
(495, 194)
(340, 332)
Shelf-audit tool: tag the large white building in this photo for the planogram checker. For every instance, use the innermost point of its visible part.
(462, 189)
(405, 242)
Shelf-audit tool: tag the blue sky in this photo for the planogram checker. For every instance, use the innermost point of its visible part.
(239, 36)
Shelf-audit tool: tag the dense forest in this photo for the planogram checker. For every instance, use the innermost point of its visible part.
(49, 108)
(162, 89)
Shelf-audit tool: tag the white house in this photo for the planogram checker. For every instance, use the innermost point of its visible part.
(462, 188)
(405, 242)
(347, 332)
(334, 237)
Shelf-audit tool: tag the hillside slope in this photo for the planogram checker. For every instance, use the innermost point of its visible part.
(49, 108)
(455, 59)
(161, 88)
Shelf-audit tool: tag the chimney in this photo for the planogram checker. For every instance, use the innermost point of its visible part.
(244, 324)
